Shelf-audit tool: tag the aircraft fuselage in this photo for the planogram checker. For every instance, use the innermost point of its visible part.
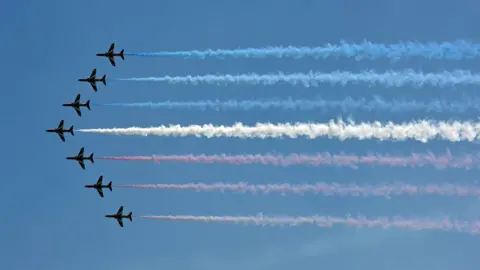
(58, 130)
(109, 54)
(89, 80)
(75, 105)
(116, 216)
(76, 158)
(96, 186)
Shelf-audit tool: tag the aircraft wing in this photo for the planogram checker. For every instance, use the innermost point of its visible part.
(61, 136)
(81, 164)
(94, 86)
(112, 60)
(82, 150)
(94, 73)
(77, 109)
(120, 221)
(120, 211)
(77, 99)
(100, 179)
(100, 192)
(60, 126)
(112, 47)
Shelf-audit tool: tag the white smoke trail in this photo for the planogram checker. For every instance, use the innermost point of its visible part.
(420, 130)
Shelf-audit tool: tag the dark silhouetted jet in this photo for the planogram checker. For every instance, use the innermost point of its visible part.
(111, 55)
(59, 130)
(98, 186)
(77, 104)
(119, 215)
(80, 158)
(93, 81)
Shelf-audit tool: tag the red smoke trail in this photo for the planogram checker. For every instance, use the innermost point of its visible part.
(445, 224)
(384, 190)
(347, 160)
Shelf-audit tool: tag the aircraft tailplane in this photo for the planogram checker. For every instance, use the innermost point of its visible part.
(88, 104)
(121, 55)
(129, 216)
(91, 158)
(71, 130)
(110, 185)
(104, 79)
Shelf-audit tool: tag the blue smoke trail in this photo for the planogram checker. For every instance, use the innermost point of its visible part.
(314, 79)
(456, 50)
(345, 105)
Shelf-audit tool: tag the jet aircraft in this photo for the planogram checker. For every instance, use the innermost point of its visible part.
(80, 158)
(59, 130)
(99, 186)
(119, 216)
(111, 55)
(77, 104)
(93, 81)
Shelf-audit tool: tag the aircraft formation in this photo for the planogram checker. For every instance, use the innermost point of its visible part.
(76, 105)
(418, 130)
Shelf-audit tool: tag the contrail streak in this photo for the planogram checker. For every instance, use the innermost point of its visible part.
(314, 79)
(345, 105)
(456, 50)
(423, 131)
(445, 224)
(415, 160)
(382, 190)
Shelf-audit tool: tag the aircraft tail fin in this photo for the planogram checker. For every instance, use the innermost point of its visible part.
(71, 130)
(121, 54)
(91, 158)
(129, 216)
(88, 104)
(104, 79)
(110, 185)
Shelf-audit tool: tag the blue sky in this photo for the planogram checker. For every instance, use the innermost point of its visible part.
(49, 221)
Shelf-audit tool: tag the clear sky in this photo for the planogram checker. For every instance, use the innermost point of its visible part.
(49, 221)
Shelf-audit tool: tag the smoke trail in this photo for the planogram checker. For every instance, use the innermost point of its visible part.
(421, 131)
(456, 50)
(345, 105)
(415, 160)
(445, 224)
(314, 79)
(383, 190)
